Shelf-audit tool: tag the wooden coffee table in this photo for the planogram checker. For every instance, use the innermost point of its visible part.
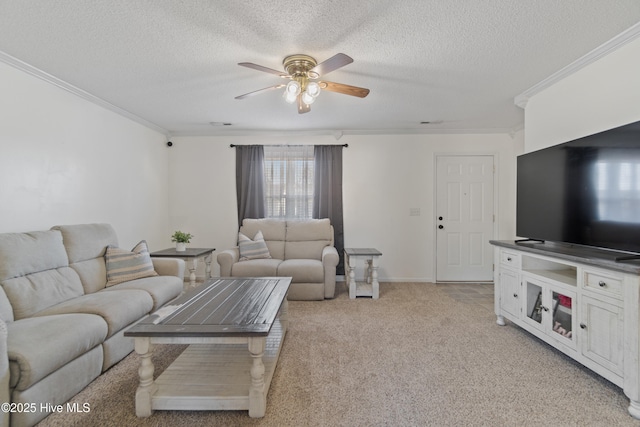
(235, 326)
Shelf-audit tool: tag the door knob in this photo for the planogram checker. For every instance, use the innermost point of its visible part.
(441, 226)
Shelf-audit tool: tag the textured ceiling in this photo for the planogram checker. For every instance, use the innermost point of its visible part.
(458, 63)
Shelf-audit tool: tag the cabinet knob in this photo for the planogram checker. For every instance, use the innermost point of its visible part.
(509, 259)
(602, 284)
(515, 295)
(583, 326)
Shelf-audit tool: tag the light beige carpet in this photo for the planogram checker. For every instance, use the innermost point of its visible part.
(415, 357)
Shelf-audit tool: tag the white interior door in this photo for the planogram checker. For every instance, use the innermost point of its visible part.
(464, 218)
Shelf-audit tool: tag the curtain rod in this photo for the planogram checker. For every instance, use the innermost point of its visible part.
(287, 145)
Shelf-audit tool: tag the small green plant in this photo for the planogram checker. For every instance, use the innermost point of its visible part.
(180, 237)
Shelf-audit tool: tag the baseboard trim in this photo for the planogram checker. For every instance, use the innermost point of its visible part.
(392, 279)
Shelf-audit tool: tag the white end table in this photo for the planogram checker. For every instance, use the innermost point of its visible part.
(190, 256)
(369, 288)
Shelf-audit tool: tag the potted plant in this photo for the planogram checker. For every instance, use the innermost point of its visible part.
(181, 240)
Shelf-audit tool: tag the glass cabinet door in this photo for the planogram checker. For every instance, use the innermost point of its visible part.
(562, 315)
(534, 303)
(551, 310)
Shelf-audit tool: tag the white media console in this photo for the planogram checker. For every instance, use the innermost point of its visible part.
(580, 301)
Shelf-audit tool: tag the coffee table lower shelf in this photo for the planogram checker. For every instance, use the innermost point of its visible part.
(214, 376)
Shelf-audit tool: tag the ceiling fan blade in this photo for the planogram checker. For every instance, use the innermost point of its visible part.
(302, 107)
(336, 61)
(360, 92)
(256, 92)
(265, 69)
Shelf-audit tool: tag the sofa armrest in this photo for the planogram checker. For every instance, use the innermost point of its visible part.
(330, 260)
(169, 267)
(226, 259)
(330, 257)
(5, 396)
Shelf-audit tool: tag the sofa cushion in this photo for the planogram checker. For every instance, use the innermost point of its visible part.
(40, 345)
(34, 273)
(92, 273)
(86, 245)
(309, 229)
(26, 253)
(35, 292)
(118, 308)
(86, 241)
(302, 270)
(273, 230)
(252, 249)
(123, 265)
(306, 239)
(256, 268)
(162, 289)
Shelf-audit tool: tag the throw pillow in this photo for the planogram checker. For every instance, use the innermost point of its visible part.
(252, 249)
(123, 265)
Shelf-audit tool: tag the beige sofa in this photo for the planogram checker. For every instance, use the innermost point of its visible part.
(302, 250)
(60, 325)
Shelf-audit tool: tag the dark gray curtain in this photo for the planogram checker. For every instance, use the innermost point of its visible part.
(327, 193)
(250, 181)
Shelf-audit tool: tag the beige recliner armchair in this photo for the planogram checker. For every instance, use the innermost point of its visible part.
(300, 249)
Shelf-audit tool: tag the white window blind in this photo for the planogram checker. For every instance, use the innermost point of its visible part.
(289, 181)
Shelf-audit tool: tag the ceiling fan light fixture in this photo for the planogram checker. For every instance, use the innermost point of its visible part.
(290, 97)
(293, 88)
(313, 89)
(307, 98)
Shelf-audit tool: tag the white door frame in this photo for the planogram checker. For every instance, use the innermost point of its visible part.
(496, 179)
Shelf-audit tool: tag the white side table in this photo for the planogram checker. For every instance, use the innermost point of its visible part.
(369, 288)
(190, 256)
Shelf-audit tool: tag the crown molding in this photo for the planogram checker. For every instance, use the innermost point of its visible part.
(339, 133)
(33, 71)
(612, 45)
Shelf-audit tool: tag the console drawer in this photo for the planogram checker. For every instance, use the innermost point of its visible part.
(511, 259)
(603, 283)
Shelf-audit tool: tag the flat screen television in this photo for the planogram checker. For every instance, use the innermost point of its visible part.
(583, 192)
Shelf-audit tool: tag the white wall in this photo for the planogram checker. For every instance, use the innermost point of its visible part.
(600, 96)
(384, 176)
(64, 160)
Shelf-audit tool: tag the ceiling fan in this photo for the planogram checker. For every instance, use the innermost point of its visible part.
(305, 85)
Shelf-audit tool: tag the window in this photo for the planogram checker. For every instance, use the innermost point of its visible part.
(288, 174)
